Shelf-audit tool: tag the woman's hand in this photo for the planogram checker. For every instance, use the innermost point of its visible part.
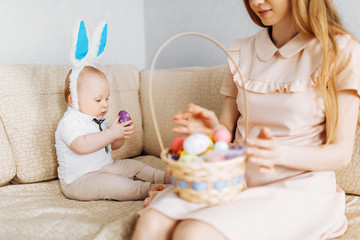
(264, 151)
(196, 120)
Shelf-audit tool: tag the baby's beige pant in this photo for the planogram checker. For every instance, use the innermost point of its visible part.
(115, 181)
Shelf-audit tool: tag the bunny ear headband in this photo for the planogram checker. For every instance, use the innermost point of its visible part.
(83, 54)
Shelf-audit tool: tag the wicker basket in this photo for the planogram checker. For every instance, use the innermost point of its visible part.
(207, 183)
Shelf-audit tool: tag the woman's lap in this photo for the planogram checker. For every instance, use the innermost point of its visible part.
(300, 207)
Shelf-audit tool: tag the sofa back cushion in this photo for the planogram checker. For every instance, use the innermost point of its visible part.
(173, 90)
(7, 161)
(124, 84)
(32, 103)
(349, 178)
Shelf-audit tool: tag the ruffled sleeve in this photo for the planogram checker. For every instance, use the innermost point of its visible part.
(234, 51)
(348, 77)
(228, 87)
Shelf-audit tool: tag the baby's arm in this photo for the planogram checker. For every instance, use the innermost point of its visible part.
(92, 142)
(117, 144)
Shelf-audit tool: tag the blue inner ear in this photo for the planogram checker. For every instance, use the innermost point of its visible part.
(102, 40)
(82, 45)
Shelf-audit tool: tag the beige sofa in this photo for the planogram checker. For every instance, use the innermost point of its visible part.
(31, 104)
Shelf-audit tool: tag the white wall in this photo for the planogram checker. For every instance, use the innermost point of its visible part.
(349, 11)
(40, 31)
(224, 20)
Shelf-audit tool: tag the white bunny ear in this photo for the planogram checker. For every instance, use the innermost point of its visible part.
(81, 56)
(98, 42)
(80, 46)
(79, 52)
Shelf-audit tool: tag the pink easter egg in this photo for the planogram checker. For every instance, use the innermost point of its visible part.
(176, 143)
(222, 134)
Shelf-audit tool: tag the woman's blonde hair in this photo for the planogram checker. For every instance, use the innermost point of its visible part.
(319, 18)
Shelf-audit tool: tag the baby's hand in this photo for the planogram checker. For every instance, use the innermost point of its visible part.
(264, 151)
(119, 130)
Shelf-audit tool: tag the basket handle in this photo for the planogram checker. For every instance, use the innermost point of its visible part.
(151, 79)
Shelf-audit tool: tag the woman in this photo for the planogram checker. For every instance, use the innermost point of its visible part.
(303, 84)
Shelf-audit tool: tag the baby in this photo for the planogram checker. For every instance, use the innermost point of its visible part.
(84, 141)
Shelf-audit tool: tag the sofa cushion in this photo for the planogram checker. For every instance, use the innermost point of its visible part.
(33, 104)
(41, 211)
(352, 213)
(7, 161)
(173, 90)
(349, 178)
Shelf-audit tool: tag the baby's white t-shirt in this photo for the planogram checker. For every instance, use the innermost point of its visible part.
(72, 165)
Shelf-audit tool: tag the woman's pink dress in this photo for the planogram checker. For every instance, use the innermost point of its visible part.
(283, 95)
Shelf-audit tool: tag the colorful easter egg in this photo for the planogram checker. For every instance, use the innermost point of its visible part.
(234, 153)
(182, 153)
(196, 143)
(211, 145)
(187, 158)
(222, 134)
(221, 146)
(176, 143)
(240, 148)
(210, 148)
(173, 156)
(124, 116)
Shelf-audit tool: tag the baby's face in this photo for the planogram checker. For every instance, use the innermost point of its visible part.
(93, 95)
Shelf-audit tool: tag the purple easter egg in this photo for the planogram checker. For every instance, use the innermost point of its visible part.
(124, 116)
(235, 151)
(238, 147)
(173, 156)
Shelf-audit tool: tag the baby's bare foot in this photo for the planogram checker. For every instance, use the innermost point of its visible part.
(148, 200)
(156, 187)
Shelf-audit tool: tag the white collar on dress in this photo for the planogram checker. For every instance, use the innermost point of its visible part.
(265, 48)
